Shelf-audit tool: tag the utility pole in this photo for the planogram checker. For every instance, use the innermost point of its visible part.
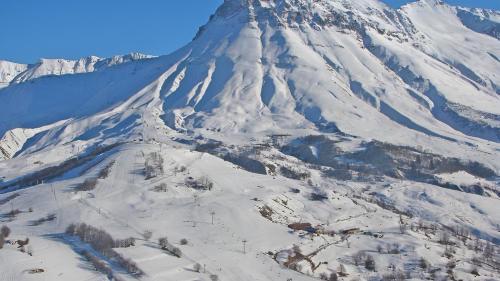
(213, 214)
(53, 191)
(244, 246)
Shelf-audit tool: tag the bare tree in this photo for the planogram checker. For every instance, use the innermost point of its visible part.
(125, 243)
(98, 264)
(478, 245)
(71, 229)
(402, 225)
(444, 238)
(128, 264)
(153, 165)
(206, 182)
(489, 251)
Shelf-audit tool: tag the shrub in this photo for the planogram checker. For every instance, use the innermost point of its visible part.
(293, 173)
(104, 173)
(176, 252)
(379, 248)
(359, 258)
(318, 196)
(395, 249)
(333, 277)
(5, 231)
(147, 235)
(160, 188)
(424, 264)
(2, 241)
(214, 277)
(8, 199)
(197, 267)
(451, 264)
(165, 245)
(13, 213)
(163, 242)
(370, 263)
(184, 241)
(49, 217)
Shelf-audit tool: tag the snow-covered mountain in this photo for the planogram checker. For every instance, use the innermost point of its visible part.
(17, 73)
(377, 124)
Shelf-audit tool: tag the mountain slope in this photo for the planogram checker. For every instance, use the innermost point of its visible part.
(291, 139)
(331, 65)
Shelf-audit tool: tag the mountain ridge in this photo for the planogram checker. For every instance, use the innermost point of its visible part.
(12, 72)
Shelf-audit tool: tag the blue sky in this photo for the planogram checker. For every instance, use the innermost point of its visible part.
(32, 29)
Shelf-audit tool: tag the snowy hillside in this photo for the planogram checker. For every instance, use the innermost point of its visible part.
(290, 140)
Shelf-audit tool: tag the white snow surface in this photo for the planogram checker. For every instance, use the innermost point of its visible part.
(426, 76)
